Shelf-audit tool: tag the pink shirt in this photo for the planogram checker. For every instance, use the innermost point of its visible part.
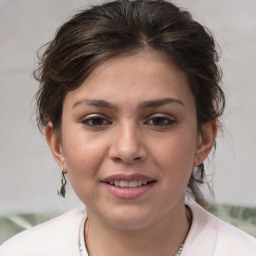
(59, 237)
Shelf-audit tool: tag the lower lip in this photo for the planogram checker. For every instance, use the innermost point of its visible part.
(129, 193)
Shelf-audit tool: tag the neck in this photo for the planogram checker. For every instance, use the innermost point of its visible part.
(163, 238)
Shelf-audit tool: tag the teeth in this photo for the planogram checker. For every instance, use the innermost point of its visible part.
(116, 182)
(128, 184)
(133, 184)
(139, 182)
(124, 184)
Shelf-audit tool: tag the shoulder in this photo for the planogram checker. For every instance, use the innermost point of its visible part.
(234, 240)
(55, 237)
(210, 233)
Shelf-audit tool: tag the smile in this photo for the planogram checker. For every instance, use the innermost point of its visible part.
(128, 184)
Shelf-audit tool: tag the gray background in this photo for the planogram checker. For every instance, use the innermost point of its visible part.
(29, 177)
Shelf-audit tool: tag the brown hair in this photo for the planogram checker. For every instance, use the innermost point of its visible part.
(125, 27)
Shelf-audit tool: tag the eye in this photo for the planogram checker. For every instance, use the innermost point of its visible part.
(160, 121)
(95, 121)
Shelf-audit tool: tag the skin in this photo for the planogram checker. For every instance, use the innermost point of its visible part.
(132, 136)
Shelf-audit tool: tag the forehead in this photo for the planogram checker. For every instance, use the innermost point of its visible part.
(141, 76)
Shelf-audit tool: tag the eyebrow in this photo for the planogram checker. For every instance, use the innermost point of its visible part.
(160, 102)
(95, 103)
(143, 105)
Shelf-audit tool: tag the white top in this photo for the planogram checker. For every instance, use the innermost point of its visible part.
(59, 237)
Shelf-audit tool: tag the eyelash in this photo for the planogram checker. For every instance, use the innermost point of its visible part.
(89, 121)
(101, 121)
(165, 121)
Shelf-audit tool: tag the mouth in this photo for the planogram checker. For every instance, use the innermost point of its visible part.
(128, 186)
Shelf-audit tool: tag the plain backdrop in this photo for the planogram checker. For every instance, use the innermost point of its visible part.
(29, 177)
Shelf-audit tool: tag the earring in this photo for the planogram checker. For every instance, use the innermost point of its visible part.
(62, 191)
(202, 170)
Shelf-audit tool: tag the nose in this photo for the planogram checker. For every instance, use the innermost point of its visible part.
(127, 145)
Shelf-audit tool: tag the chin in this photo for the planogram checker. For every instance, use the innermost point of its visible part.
(130, 219)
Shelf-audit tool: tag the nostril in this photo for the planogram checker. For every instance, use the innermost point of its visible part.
(117, 159)
(127, 160)
(128, 151)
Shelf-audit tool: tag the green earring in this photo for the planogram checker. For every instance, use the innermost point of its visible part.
(202, 170)
(62, 191)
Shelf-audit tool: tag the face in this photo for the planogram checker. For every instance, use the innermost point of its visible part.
(129, 140)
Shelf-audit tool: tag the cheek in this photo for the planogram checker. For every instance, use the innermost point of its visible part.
(175, 155)
(82, 155)
(83, 158)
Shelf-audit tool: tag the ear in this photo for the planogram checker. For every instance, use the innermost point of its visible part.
(205, 141)
(55, 145)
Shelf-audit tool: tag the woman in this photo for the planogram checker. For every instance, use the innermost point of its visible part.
(129, 101)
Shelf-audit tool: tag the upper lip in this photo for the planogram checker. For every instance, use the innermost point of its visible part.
(128, 177)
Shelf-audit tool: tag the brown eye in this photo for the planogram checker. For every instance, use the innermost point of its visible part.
(160, 121)
(95, 121)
